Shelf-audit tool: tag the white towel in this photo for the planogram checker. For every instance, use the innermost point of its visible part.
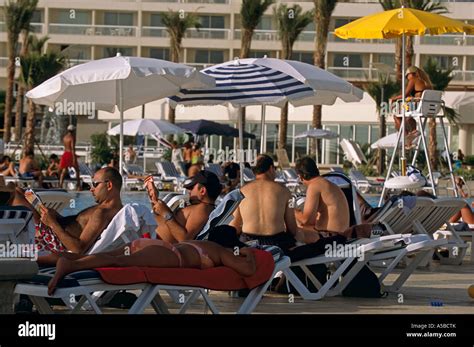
(130, 223)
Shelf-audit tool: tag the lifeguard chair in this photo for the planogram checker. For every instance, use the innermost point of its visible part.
(428, 106)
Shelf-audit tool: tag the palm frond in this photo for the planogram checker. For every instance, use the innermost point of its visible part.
(252, 11)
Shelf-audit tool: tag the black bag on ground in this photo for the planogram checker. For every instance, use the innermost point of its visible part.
(319, 271)
(364, 285)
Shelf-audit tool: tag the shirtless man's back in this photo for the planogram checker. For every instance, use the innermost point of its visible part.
(332, 207)
(326, 207)
(264, 207)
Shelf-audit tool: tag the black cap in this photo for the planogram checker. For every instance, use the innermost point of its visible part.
(208, 180)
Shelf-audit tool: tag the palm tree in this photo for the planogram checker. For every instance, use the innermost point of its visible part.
(35, 69)
(322, 18)
(29, 42)
(422, 5)
(18, 16)
(381, 91)
(251, 13)
(388, 5)
(440, 79)
(177, 23)
(291, 22)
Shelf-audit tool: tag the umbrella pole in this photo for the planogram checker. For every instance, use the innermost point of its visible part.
(317, 150)
(241, 149)
(121, 126)
(262, 131)
(402, 158)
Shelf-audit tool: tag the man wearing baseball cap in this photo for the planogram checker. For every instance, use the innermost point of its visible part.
(186, 223)
(69, 158)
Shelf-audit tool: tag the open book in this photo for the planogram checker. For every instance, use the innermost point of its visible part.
(34, 200)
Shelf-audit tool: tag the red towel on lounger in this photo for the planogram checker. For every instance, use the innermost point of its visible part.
(217, 278)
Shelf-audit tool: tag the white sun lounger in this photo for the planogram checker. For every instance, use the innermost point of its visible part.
(84, 283)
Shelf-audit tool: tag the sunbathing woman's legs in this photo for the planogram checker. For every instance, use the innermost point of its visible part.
(152, 256)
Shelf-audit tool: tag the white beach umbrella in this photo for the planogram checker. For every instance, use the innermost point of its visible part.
(147, 127)
(317, 134)
(268, 81)
(389, 141)
(122, 82)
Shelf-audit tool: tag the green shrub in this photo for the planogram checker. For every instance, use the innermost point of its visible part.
(469, 160)
(467, 174)
(101, 152)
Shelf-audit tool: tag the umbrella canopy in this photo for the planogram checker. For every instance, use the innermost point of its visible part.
(122, 82)
(268, 81)
(407, 21)
(147, 127)
(207, 127)
(317, 134)
(389, 141)
(401, 22)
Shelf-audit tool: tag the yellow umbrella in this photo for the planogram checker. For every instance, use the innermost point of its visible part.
(401, 22)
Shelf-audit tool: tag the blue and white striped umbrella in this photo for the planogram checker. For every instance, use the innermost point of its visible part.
(269, 81)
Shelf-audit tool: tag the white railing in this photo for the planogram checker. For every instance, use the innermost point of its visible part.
(3, 61)
(199, 66)
(154, 32)
(208, 33)
(463, 76)
(92, 30)
(73, 62)
(351, 72)
(217, 2)
(37, 28)
(192, 33)
(448, 40)
(259, 35)
(333, 38)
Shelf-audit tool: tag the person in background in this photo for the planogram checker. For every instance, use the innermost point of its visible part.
(7, 167)
(53, 168)
(418, 82)
(69, 158)
(30, 169)
(130, 155)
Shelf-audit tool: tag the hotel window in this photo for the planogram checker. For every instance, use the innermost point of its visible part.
(272, 137)
(37, 17)
(362, 134)
(76, 52)
(301, 148)
(331, 146)
(209, 57)
(388, 59)
(303, 57)
(156, 20)
(265, 23)
(214, 22)
(160, 53)
(80, 17)
(445, 62)
(347, 60)
(118, 18)
(255, 129)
